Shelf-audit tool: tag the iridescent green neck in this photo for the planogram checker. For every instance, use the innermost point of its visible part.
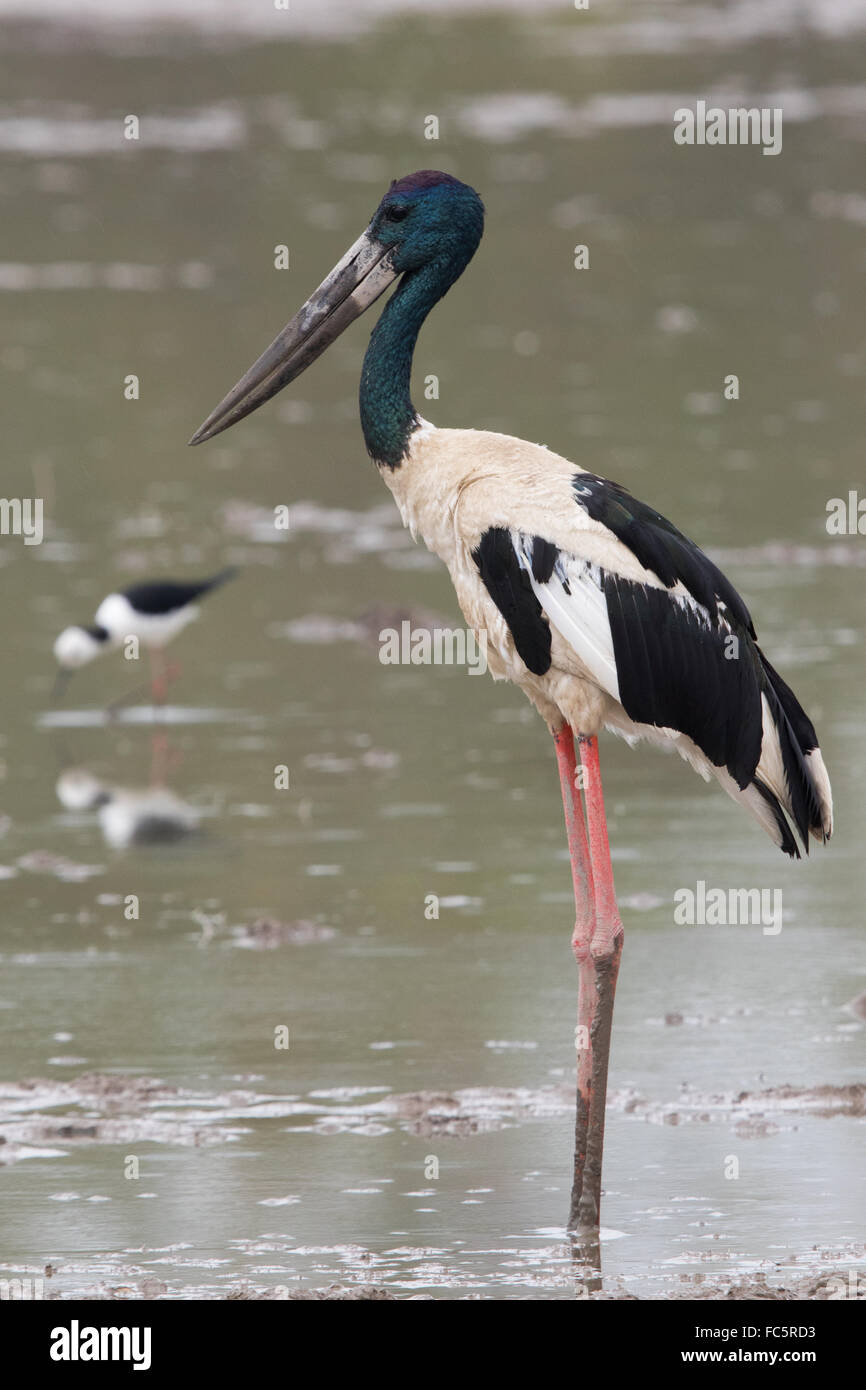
(388, 416)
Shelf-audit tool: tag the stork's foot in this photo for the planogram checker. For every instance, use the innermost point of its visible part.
(586, 1263)
(597, 990)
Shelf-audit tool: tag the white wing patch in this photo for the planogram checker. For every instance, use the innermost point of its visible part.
(574, 601)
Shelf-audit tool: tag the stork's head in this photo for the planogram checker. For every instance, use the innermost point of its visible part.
(427, 219)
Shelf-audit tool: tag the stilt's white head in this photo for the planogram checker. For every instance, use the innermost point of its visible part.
(76, 646)
(78, 790)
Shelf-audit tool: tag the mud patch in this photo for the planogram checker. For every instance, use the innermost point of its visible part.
(338, 1292)
(43, 861)
(267, 933)
(45, 1118)
(754, 1114)
(833, 1285)
(38, 1116)
(480, 1110)
(475, 1110)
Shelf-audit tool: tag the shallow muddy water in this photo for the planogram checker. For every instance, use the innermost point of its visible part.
(415, 1046)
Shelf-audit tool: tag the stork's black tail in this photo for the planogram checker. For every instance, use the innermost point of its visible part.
(791, 776)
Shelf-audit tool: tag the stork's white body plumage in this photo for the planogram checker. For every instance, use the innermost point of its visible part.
(454, 486)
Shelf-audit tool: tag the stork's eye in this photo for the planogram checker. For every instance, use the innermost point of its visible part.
(396, 212)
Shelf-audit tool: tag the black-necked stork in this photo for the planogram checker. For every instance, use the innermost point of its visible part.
(153, 613)
(604, 613)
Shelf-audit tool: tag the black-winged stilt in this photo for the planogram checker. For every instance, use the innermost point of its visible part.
(149, 615)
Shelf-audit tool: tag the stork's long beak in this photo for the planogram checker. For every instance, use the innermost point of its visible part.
(353, 285)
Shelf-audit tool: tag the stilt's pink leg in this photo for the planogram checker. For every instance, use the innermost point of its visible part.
(605, 952)
(158, 683)
(581, 944)
(158, 758)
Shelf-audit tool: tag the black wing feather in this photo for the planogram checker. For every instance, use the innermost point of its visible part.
(167, 596)
(509, 587)
(658, 545)
(678, 670)
(685, 661)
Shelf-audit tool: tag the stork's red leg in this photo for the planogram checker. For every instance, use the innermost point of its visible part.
(581, 868)
(581, 944)
(605, 952)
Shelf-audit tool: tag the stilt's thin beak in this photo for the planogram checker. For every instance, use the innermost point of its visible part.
(353, 285)
(61, 680)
